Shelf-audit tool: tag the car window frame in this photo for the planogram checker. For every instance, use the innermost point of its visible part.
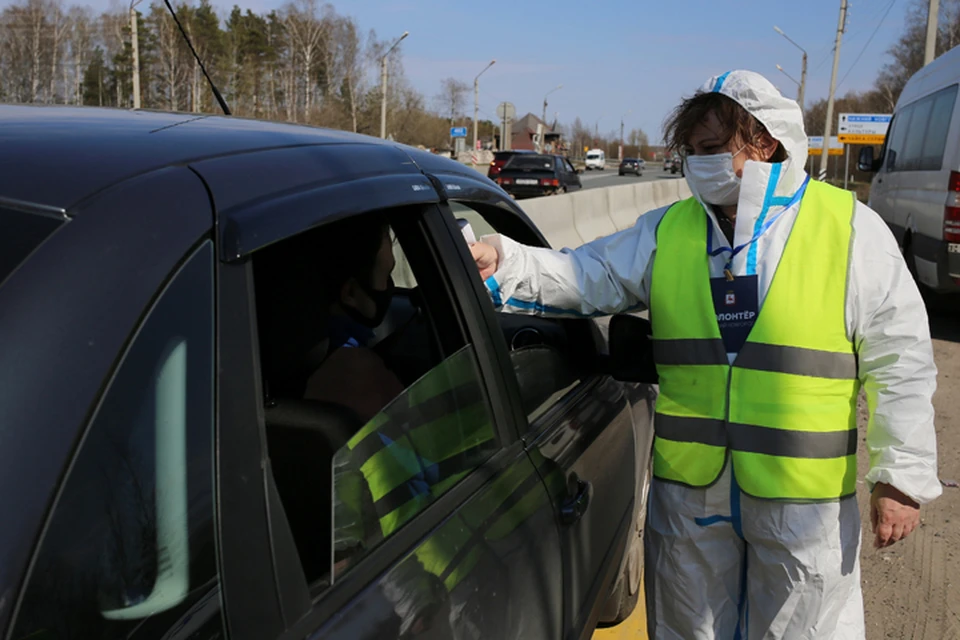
(527, 430)
(323, 603)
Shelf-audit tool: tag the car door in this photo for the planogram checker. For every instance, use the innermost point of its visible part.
(467, 544)
(572, 174)
(581, 422)
(884, 191)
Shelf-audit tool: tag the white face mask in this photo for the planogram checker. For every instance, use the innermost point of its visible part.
(713, 179)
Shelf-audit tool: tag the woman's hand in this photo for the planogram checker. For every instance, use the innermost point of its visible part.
(487, 258)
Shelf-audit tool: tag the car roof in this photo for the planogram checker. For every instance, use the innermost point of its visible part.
(58, 156)
(940, 73)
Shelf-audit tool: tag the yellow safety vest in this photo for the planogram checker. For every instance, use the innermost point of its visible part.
(786, 408)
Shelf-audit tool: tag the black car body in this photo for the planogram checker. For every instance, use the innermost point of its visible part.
(631, 165)
(532, 176)
(157, 487)
(500, 158)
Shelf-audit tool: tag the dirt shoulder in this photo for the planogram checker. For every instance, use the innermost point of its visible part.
(912, 590)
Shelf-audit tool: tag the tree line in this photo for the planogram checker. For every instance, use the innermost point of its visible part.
(301, 63)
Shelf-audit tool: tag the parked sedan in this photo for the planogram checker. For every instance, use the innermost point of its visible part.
(171, 479)
(531, 176)
(631, 165)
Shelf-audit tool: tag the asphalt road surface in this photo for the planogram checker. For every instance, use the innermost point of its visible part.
(609, 177)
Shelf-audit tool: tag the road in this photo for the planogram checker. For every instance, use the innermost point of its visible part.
(609, 178)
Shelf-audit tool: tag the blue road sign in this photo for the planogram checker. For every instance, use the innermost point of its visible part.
(458, 132)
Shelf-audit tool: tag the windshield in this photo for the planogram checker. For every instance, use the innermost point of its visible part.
(593, 156)
(530, 162)
(22, 233)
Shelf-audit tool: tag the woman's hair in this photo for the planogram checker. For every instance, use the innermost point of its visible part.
(736, 121)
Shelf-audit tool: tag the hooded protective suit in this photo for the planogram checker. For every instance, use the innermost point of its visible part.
(721, 564)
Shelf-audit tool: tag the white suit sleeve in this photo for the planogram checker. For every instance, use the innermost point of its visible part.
(603, 277)
(895, 356)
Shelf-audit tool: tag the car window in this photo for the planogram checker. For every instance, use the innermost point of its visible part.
(422, 444)
(374, 406)
(569, 166)
(22, 233)
(936, 139)
(530, 162)
(897, 138)
(547, 355)
(130, 548)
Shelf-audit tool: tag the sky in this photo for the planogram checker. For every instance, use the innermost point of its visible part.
(629, 59)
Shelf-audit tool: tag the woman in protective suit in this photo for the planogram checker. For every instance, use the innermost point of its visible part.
(773, 299)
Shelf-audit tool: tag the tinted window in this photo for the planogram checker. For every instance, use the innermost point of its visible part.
(130, 547)
(913, 145)
(931, 158)
(22, 233)
(897, 137)
(530, 162)
(424, 442)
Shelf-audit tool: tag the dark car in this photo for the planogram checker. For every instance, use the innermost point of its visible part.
(532, 176)
(163, 483)
(500, 158)
(631, 165)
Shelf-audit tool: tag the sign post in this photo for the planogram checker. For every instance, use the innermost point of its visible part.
(863, 128)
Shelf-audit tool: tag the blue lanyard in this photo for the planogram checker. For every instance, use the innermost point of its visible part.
(756, 236)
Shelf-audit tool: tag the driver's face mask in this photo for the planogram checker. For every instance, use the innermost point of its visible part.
(381, 299)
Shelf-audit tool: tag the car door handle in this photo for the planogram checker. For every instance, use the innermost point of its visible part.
(573, 508)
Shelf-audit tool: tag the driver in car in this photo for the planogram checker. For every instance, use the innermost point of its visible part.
(357, 263)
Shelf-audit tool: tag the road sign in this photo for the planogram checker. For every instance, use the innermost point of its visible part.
(506, 111)
(458, 132)
(863, 128)
(815, 146)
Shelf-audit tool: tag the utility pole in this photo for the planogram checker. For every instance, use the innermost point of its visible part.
(620, 151)
(544, 117)
(933, 15)
(383, 85)
(476, 103)
(828, 125)
(135, 46)
(803, 69)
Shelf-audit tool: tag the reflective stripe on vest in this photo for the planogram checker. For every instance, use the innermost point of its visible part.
(786, 408)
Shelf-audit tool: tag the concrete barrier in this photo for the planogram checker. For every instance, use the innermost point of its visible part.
(554, 217)
(591, 213)
(572, 219)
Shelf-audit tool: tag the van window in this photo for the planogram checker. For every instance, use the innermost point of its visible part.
(931, 158)
(916, 132)
(901, 123)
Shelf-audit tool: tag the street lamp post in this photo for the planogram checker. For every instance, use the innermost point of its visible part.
(620, 151)
(383, 84)
(803, 70)
(544, 118)
(476, 102)
(792, 79)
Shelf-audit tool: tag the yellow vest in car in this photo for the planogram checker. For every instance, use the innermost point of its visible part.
(786, 408)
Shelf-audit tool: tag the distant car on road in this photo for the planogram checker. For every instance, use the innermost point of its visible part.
(500, 158)
(596, 159)
(530, 176)
(672, 165)
(631, 165)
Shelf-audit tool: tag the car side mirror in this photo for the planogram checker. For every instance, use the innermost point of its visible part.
(866, 161)
(631, 350)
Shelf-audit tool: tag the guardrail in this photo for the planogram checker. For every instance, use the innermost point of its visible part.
(576, 218)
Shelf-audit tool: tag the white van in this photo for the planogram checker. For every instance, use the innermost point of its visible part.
(596, 159)
(916, 189)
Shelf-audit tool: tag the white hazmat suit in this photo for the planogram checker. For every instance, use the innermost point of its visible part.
(721, 564)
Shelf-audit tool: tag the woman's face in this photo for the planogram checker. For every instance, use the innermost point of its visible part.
(710, 137)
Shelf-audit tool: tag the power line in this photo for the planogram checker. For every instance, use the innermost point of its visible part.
(869, 40)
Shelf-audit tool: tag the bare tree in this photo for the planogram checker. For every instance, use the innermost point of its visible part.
(453, 97)
(306, 32)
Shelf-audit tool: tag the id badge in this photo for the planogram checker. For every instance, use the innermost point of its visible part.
(735, 302)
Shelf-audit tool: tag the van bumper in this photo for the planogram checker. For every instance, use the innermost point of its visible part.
(943, 260)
